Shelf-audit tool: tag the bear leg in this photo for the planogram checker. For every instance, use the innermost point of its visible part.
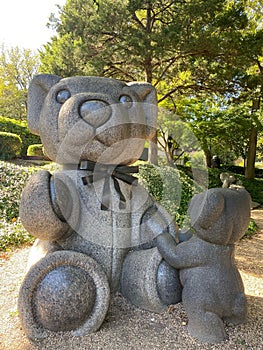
(207, 327)
(239, 310)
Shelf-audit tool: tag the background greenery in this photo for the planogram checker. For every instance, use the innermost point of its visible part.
(205, 58)
(10, 145)
(171, 187)
(20, 128)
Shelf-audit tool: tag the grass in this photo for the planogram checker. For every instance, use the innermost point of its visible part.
(14, 175)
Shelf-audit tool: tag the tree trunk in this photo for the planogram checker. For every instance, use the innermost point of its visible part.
(252, 144)
(251, 154)
(153, 148)
(208, 157)
(153, 152)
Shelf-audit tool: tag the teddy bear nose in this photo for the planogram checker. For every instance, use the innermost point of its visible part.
(95, 112)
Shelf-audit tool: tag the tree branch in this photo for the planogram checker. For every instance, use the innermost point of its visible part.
(165, 70)
(114, 69)
(163, 9)
(136, 19)
(171, 61)
(185, 87)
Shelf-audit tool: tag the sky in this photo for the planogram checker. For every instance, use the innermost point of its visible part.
(23, 22)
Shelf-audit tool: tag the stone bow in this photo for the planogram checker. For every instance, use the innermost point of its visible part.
(103, 171)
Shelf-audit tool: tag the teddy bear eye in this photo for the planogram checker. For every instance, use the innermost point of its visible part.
(126, 100)
(63, 96)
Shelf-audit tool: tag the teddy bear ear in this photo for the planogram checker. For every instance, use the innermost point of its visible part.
(206, 208)
(148, 96)
(37, 92)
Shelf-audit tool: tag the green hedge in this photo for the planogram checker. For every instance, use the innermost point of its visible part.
(171, 187)
(36, 150)
(20, 128)
(253, 186)
(10, 145)
(13, 179)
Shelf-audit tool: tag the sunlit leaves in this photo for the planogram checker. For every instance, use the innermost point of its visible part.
(17, 67)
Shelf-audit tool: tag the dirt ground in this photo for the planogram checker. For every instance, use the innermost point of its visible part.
(127, 327)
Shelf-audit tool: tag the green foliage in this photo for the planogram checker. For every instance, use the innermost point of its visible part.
(13, 179)
(195, 49)
(214, 177)
(252, 229)
(173, 188)
(212, 121)
(192, 49)
(153, 40)
(17, 68)
(19, 128)
(177, 140)
(35, 150)
(170, 187)
(10, 145)
(253, 186)
(15, 236)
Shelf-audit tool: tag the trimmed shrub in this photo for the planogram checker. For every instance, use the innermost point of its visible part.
(20, 128)
(10, 145)
(36, 150)
(13, 179)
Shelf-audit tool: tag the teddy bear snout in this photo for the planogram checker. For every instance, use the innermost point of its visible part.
(95, 112)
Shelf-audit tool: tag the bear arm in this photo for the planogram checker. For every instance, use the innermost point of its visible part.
(154, 222)
(37, 211)
(179, 256)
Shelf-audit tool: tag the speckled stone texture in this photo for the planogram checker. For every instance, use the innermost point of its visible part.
(85, 218)
(64, 291)
(149, 282)
(212, 287)
(72, 131)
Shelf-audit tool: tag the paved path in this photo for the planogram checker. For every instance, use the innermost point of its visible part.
(249, 252)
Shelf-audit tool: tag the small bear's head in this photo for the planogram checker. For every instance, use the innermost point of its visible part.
(220, 215)
(91, 118)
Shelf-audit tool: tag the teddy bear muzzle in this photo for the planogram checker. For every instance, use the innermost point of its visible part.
(95, 112)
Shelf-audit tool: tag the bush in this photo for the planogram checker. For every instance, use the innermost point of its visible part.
(254, 186)
(35, 150)
(170, 187)
(251, 230)
(10, 145)
(14, 236)
(20, 128)
(13, 179)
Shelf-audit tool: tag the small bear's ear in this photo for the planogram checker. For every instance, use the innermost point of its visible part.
(148, 96)
(206, 208)
(37, 92)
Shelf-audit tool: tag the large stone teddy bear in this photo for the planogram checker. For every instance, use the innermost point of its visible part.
(212, 287)
(96, 227)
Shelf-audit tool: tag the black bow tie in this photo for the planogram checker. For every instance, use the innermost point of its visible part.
(116, 172)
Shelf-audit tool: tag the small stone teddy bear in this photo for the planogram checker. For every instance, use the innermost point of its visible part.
(212, 287)
(96, 227)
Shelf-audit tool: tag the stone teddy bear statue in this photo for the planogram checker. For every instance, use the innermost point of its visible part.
(212, 287)
(96, 228)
